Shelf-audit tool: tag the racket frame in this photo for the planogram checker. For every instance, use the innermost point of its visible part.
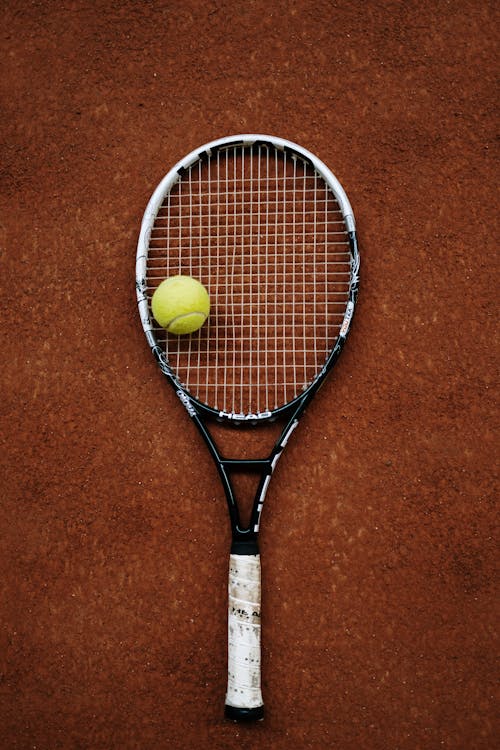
(244, 538)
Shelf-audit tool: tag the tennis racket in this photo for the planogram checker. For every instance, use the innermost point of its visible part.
(270, 232)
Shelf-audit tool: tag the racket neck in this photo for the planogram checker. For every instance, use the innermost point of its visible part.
(246, 545)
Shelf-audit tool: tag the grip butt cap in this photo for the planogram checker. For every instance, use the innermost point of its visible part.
(234, 713)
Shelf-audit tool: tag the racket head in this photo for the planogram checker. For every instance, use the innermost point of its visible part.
(269, 230)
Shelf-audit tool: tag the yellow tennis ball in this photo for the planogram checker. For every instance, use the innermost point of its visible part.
(180, 304)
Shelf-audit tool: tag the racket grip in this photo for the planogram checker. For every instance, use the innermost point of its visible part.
(244, 696)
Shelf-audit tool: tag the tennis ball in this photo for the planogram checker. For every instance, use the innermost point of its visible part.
(180, 304)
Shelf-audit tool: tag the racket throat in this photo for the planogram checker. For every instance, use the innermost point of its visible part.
(245, 479)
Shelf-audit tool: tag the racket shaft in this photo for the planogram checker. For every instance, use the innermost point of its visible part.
(243, 687)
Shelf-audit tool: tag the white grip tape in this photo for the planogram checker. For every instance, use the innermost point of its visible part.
(243, 681)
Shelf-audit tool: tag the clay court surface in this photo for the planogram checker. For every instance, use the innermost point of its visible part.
(378, 537)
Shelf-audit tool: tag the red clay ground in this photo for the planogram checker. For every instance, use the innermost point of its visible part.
(379, 552)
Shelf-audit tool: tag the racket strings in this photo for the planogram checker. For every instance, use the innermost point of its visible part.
(264, 233)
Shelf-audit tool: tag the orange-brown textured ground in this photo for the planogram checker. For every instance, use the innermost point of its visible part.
(378, 537)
